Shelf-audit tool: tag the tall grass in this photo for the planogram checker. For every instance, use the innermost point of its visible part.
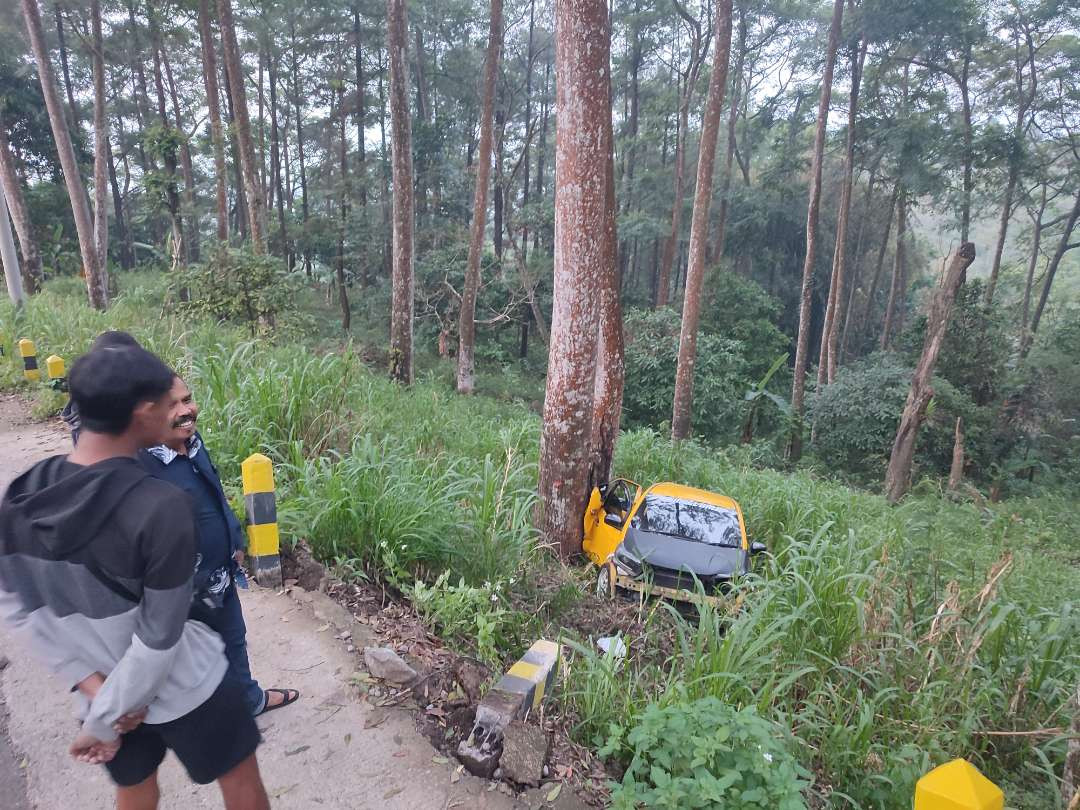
(870, 632)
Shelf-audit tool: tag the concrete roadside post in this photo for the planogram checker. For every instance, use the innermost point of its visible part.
(957, 785)
(28, 353)
(260, 504)
(54, 367)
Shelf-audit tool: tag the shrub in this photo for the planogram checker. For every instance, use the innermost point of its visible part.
(706, 754)
(720, 375)
(239, 287)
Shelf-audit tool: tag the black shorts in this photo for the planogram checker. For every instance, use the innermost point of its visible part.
(209, 740)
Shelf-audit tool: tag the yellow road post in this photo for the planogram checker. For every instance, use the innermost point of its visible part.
(260, 504)
(28, 353)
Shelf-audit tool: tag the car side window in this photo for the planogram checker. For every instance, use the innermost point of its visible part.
(618, 501)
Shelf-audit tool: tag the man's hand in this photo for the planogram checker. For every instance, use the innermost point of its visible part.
(90, 685)
(129, 721)
(87, 748)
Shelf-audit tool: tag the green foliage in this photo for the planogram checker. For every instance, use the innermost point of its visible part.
(239, 287)
(740, 308)
(705, 754)
(652, 351)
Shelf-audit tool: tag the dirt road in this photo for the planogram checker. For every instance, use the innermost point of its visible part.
(329, 750)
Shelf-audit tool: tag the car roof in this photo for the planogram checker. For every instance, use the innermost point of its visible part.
(692, 494)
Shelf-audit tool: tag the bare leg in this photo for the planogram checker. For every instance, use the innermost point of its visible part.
(143, 796)
(242, 787)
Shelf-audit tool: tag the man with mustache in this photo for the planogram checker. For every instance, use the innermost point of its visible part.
(184, 461)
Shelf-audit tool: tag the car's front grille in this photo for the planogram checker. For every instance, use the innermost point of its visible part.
(684, 580)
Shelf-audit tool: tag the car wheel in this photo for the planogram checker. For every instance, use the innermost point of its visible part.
(603, 583)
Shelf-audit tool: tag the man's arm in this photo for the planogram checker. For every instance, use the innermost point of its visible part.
(169, 545)
(57, 656)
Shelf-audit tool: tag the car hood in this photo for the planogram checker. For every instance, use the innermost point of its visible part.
(675, 553)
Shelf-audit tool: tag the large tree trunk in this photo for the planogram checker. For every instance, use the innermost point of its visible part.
(1051, 270)
(253, 192)
(8, 258)
(802, 345)
(897, 290)
(401, 315)
(97, 286)
(582, 149)
(610, 346)
(20, 214)
(699, 226)
(467, 319)
(898, 474)
(831, 332)
(240, 216)
(217, 136)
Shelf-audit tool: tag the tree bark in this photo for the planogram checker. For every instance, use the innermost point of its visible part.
(97, 287)
(8, 257)
(1033, 260)
(830, 334)
(101, 142)
(802, 346)
(897, 290)
(217, 136)
(582, 149)
(300, 147)
(127, 248)
(253, 192)
(682, 407)
(361, 110)
(729, 147)
(65, 67)
(467, 317)
(172, 193)
(898, 474)
(275, 160)
(856, 274)
(541, 147)
(401, 316)
(20, 215)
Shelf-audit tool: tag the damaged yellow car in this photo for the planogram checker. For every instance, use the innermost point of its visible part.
(657, 541)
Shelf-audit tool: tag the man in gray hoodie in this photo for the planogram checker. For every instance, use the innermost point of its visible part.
(96, 566)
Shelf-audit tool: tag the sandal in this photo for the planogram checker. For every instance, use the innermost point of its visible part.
(288, 695)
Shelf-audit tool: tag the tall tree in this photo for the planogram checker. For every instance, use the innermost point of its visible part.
(802, 343)
(343, 208)
(253, 189)
(20, 214)
(101, 141)
(404, 214)
(167, 144)
(831, 332)
(97, 287)
(898, 473)
(8, 258)
(1063, 247)
(582, 153)
(217, 136)
(699, 226)
(191, 234)
(466, 370)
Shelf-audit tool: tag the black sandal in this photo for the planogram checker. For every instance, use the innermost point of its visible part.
(285, 693)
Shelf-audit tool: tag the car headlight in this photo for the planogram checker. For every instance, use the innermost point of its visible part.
(625, 564)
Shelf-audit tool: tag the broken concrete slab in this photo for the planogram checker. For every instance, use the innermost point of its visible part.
(386, 664)
(525, 751)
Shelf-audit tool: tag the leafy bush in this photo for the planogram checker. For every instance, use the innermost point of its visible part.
(740, 308)
(239, 287)
(706, 754)
(720, 375)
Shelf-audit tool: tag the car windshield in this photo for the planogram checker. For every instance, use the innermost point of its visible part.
(700, 522)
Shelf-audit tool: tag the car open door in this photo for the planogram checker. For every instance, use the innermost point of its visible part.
(606, 517)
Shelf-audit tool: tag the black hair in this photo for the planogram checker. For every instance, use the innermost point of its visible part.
(108, 383)
(114, 338)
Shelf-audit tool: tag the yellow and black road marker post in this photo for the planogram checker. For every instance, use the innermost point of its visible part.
(54, 367)
(29, 358)
(260, 503)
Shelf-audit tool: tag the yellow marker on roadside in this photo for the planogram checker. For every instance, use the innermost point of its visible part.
(957, 785)
(29, 357)
(54, 366)
(260, 504)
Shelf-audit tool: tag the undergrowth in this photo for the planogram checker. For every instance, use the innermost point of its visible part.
(874, 641)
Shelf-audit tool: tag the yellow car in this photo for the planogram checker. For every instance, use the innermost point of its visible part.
(658, 540)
